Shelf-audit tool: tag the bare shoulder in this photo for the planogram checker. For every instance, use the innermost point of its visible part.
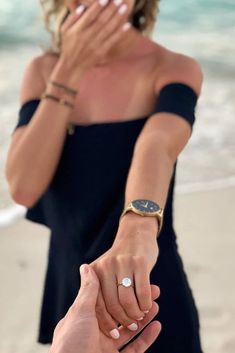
(35, 76)
(176, 67)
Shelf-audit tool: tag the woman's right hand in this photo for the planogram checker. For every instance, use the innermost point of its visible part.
(87, 37)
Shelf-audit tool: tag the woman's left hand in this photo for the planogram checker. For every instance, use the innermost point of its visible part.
(133, 255)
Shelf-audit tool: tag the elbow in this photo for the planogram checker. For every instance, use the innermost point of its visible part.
(21, 195)
(19, 189)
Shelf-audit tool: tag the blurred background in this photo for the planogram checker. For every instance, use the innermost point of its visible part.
(205, 191)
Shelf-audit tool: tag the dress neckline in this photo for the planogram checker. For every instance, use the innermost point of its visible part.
(110, 123)
(76, 125)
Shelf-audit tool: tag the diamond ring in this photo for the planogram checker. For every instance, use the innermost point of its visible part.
(126, 282)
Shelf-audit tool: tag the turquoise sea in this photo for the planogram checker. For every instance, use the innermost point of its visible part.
(203, 29)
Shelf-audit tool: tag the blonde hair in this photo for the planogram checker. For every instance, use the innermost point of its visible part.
(55, 12)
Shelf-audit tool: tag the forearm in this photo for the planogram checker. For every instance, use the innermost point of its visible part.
(149, 178)
(33, 158)
(150, 173)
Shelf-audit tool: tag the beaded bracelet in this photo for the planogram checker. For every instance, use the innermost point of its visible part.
(65, 88)
(61, 101)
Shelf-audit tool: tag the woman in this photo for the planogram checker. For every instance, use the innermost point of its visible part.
(101, 125)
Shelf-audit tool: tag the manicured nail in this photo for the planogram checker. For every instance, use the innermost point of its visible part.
(117, 2)
(123, 9)
(103, 2)
(126, 26)
(115, 334)
(79, 10)
(133, 327)
(141, 318)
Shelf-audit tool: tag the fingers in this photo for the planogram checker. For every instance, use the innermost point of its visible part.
(89, 16)
(145, 339)
(109, 290)
(72, 18)
(111, 41)
(126, 335)
(110, 22)
(88, 292)
(106, 323)
(142, 288)
(127, 297)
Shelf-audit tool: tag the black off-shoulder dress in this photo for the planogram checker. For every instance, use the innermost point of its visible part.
(82, 206)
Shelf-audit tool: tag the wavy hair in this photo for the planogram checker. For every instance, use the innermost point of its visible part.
(55, 12)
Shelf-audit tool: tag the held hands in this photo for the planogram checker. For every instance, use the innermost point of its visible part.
(78, 331)
(133, 255)
(87, 36)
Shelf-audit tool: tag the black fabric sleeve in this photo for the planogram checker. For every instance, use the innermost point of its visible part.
(26, 112)
(179, 99)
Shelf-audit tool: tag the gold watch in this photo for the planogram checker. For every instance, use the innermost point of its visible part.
(145, 208)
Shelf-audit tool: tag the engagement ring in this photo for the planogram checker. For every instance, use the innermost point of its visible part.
(126, 282)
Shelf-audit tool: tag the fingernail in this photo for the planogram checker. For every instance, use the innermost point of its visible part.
(117, 2)
(141, 318)
(115, 334)
(133, 327)
(126, 26)
(123, 9)
(79, 10)
(103, 2)
(146, 312)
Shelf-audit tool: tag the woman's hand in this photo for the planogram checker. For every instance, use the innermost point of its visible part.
(133, 254)
(88, 36)
(78, 331)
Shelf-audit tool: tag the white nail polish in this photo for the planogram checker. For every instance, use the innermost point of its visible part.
(123, 9)
(133, 327)
(115, 334)
(103, 2)
(126, 26)
(117, 2)
(79, 10)
(141, 318)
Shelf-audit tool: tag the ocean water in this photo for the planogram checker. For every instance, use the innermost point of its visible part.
(202, 29)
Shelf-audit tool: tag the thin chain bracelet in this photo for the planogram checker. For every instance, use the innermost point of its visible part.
(68, 90)
(61, 101)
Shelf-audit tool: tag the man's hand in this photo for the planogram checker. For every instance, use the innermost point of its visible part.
(78, 331)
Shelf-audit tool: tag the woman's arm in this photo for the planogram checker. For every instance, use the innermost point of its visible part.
(135, 250)
(35, 149)
(161, 141)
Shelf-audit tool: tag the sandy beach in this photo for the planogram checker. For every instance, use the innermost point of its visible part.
(206, 231)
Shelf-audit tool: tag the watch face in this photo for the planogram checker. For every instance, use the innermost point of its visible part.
(146, 206)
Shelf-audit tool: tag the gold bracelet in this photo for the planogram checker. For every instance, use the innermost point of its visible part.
(65, 88)
(61, 101)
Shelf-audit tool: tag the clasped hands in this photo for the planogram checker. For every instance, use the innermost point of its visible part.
(101, 306)
(79, 332)
(133, 255)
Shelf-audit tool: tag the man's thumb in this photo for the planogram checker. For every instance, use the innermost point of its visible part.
(89, 289)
